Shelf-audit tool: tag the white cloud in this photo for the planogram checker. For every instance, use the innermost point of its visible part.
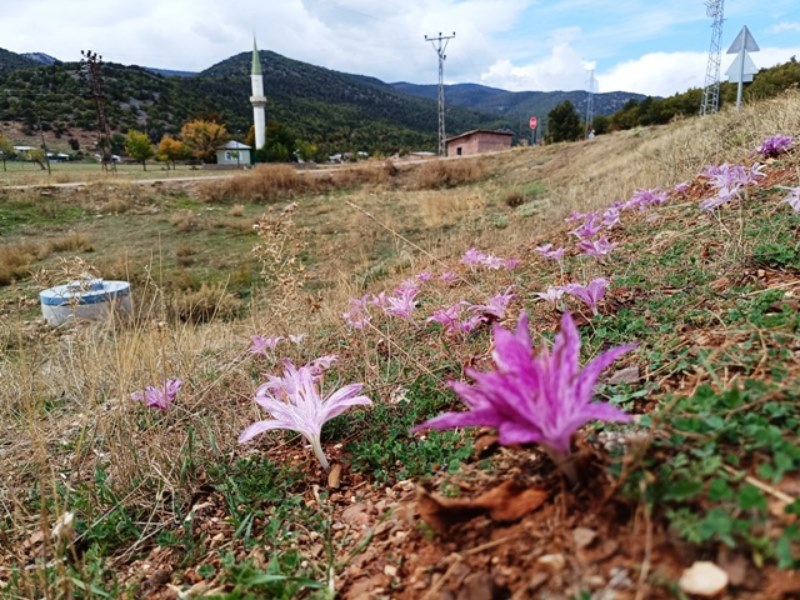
(785, 26)
(562, 69)
(656, 74)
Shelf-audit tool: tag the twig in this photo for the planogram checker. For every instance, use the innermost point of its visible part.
(641, 586)
(436, 587)
(764, 487)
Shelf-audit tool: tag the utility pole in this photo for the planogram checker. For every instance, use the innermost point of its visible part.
(590, 103)
(440, 45)
(710, 105)
(90, 65)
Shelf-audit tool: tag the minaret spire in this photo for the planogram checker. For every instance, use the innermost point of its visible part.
(258, 100)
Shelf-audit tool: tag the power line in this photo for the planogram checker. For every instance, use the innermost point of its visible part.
(714, 9)
(440, 45)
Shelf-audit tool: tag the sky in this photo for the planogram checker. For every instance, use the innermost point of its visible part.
(655, 47)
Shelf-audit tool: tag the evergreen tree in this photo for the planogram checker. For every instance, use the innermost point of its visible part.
(564, 123)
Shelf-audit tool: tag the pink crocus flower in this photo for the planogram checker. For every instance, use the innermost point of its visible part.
(450, 319)
(775, 145)
(793, 200)
(321, 364)
(472, 256)
(403, 304)
(589, 229)
(495, 307)
(425, 276)
(261, 344)
(552, 294)
(548, 251)
(590, 294)
(542, 398)
(449, 277)
(596, 248)
(297, 338)
(159, 397)
(295, 402)
(611, 217)
(357, 317)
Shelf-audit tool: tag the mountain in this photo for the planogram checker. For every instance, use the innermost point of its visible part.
(171, 72)
(11, 61)
(518, 106)
(336, 111)
(41, 58)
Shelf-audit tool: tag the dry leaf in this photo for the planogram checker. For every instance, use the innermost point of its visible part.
(335, 476)
(508, 501)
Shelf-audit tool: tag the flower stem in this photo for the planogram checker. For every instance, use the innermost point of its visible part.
(565, 464)
(316, 444)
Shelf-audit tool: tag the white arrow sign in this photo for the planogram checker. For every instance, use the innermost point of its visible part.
(744, 41)
(745, 71)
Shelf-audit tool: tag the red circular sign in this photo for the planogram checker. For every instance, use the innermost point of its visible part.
(534, 122)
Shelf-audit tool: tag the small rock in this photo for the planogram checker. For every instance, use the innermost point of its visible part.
(335, 476)
(628, 375)
(356, 515)
(554, 562)
(703, 579)
(390, 571)
(478, 586)
(583, 537)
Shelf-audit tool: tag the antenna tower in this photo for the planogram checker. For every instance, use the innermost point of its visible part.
(590, 102)
(440, 45)
(714, 9)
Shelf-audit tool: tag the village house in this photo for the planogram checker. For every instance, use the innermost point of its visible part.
(478, 141)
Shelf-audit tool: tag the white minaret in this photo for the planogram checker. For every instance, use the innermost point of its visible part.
(258, 100)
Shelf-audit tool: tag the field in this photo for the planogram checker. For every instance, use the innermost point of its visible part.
(103, 496)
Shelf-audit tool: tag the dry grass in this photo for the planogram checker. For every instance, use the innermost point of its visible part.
(17, 259)
(64, 403)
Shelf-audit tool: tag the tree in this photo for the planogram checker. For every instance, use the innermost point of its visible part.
(138, 147)
(564, 123)
(203, 138)
(6, 149)
(171, 150)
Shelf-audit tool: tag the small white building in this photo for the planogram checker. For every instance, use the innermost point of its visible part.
(234, 154)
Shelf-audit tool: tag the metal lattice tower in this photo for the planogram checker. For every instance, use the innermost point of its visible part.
(714, 9)
(440, 45)
(590, 102)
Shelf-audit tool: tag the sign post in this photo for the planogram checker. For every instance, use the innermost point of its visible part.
(742, 69)
(534, 124)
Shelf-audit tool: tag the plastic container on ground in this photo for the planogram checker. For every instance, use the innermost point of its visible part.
(86, 299)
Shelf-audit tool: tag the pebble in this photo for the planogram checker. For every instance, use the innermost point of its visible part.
(555, 562)
(703, 579)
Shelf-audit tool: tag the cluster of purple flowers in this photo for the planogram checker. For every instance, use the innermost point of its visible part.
(728, 180)
(474, 257)
(591, 295)
(401, 305)
(463, 317)
(642, 200)
(775, 145)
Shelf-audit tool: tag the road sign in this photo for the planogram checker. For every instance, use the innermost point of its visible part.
(534, 122)
(743, 41)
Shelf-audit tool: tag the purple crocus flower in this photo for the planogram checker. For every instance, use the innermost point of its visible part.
(589, 229)
(295, 402)
(425, 276)
(449, 277)
(728, 180)
(357, 317)
(591, 294)
(793, 200)
(319, 365)
(775, 145)
(552, 294)
(680, 188)
(159, 397)
(260, 344)
(496, 307)
(596, 248)
(450, 319)
(548, 251)
(541, 399)
(472, 256)
(403, 304)
(611, 217)
(644, 199)
(297, 338)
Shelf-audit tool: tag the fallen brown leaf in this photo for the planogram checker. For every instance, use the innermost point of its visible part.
(508, 501)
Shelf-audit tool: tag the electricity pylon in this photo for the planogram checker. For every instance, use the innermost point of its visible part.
(714, 9)
(440, 45)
